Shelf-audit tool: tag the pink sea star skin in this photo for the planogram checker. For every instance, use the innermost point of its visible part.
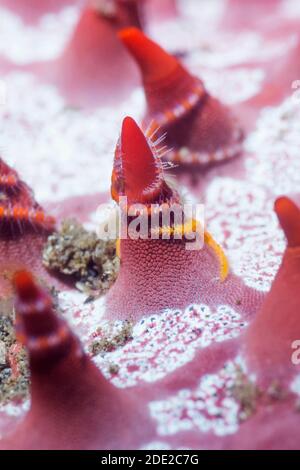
(32, 10)
(95, 57)
(282, 76)
(276, 326)
(249, 13)
(266, 366)
(122, 11)
(208, 415)
(67, 390)
(199, 129)
(160, 11)
(158, 274)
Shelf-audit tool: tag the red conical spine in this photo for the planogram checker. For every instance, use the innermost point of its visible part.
(271, 336)
(161, 251)
(289, 217)
(46, 337)
(171, 92)
(72, 405)
(137, 172)
(199, 128)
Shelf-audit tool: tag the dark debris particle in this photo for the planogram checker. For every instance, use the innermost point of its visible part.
(89, 299)
(73, 251)
(108, 344)
(246, 393)
(11, 387)
(113, 369)
(2, 355)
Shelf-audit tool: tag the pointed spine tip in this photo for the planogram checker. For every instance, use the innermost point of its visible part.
(289, 218)
(129, 125)
(134, 144)
(136, 170)
(129, 34)
(155, 63)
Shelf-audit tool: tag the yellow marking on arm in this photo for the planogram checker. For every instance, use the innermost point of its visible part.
(191, 226)
(217, 249)
(219, 252)
(118, 248)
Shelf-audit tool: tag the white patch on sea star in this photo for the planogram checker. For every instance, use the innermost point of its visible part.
(295, 385)
(290, 9)
(241, 218)
(162, 343)
(15, 409)
(211, 407)
(23, 43)
(62, 145)
(83, 317)
(232, 86)
(274, 145)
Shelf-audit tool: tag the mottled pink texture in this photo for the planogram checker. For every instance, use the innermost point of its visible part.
(157, 10)
(94, 69)
(159, 274)
(32, 10)
(249, 13)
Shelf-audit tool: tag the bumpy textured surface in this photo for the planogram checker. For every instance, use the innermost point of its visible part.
(148, 280)
(158, 274)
